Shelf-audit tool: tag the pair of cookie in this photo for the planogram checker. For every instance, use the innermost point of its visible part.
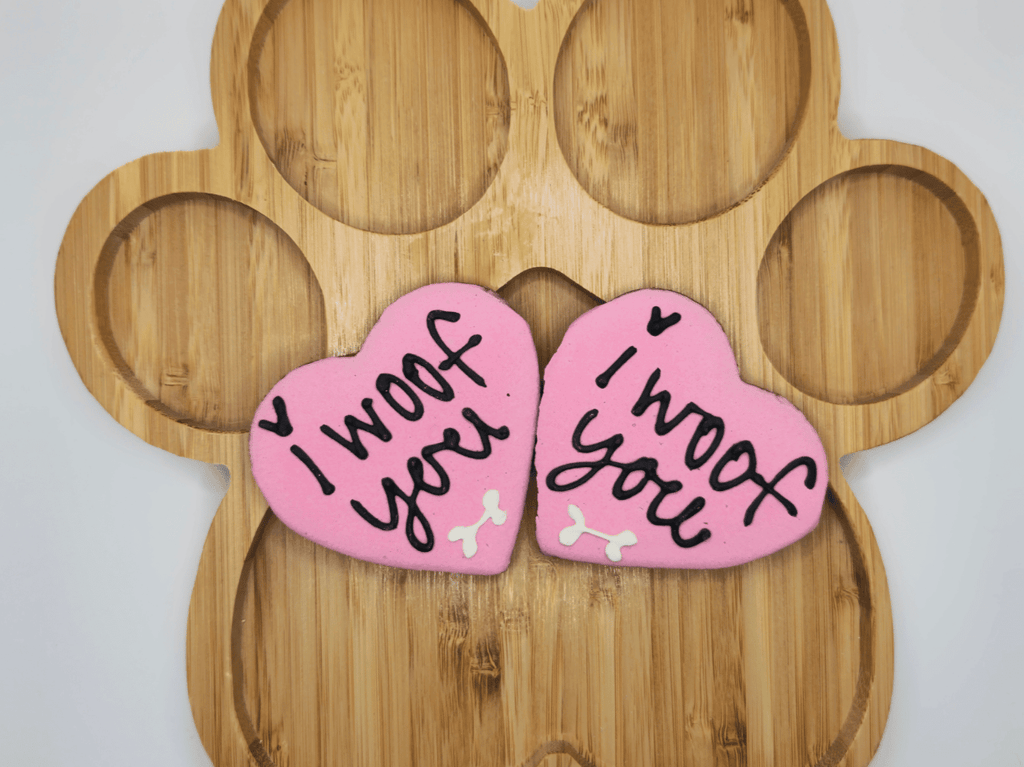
(648, 448)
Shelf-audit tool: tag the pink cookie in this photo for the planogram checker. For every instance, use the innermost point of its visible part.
(651, 452)
(416, 452)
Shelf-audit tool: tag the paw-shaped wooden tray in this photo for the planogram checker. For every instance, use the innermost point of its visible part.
(562, 156)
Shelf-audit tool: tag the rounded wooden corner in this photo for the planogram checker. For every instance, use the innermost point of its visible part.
(107, 215)
(961, 319)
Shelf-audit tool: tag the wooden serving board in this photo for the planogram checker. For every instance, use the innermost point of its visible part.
(561, 156)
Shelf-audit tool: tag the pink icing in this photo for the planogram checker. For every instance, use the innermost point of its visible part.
(472, 526)
(696, 366)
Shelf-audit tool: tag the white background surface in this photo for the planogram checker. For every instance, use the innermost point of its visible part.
(101, 533)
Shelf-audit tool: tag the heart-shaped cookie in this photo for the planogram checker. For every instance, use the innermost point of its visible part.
(416, 452)
(651, 451)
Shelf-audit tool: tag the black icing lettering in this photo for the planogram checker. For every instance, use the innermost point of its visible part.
(428, 379)
(709, 424)
(410, 363)
(646, 467)
(636, 476)
(452, 442)
(609, 445)
(415, 467)
(674, 523)
(392, 491)
(384, 383)
(732, 455)
(353, 444)
(603, 380)
(325, 486)
(744, 448)
(415, 515)
(768, 488)
(283, 427)
(454, 357)
(656, 325)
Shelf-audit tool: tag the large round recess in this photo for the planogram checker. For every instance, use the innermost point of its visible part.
(868, 284)
(670, 112)
(387, 115)
(204, 304)
(320, 634)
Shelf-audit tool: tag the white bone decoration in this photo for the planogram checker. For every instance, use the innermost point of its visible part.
(616, 542)
(468, 534)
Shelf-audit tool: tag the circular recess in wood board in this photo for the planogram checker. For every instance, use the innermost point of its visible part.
(868, 285)
(203, 304)
(669, 113)
(386, 115)
(337, 656)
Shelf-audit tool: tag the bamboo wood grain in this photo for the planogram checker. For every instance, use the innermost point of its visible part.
(561, 156)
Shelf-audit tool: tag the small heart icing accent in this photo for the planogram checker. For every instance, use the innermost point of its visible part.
(656, 325)
(391, 456)
(645, 427)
